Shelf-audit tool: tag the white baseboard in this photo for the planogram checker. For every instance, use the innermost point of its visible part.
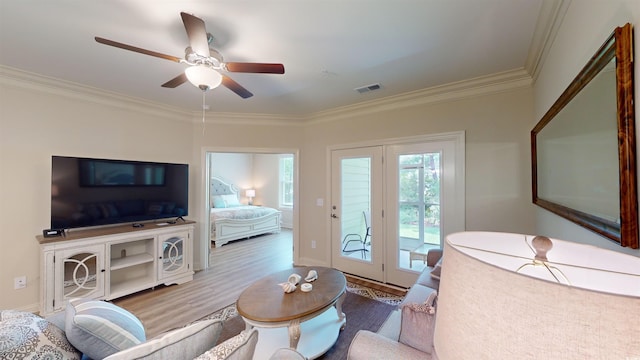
(303, 261)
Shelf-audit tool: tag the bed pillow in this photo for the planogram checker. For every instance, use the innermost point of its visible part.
(99, 329)
(231, 200)
(218, 202)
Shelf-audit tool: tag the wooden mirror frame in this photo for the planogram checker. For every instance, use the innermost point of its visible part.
(619, 46)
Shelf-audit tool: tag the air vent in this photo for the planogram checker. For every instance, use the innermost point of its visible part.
(368, 88)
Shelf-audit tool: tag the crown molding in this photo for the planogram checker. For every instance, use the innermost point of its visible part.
(500, 82)
(35, 82)
(225, 118)
(550, 18)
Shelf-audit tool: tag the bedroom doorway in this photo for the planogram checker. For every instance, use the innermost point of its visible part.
(259, 180)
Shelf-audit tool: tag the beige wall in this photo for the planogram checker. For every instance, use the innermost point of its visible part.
(497, 160)
(35, 125)
(236, 168)
(585, 26)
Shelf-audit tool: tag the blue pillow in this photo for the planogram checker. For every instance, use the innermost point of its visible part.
(218, 202)
(99, 329)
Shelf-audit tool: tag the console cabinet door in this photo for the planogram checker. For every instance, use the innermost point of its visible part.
(174, 255)
(79, 272)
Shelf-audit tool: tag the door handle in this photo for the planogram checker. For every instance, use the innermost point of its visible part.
(334, 216)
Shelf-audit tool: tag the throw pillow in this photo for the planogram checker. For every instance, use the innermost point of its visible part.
(417, 324)
(435, 272)
(99, 329)
(231, 200)
(218, 202)
(239, 347)
(24, 335)
(184, 343)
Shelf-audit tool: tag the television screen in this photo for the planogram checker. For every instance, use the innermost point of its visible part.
(91, 192)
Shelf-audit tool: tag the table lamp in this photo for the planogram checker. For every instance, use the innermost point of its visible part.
(250, 193)
(513, 296)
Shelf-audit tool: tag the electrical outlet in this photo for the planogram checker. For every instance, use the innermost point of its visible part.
(313, 244)
(20, 282)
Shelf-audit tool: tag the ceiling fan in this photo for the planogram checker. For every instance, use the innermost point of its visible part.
(205, 64)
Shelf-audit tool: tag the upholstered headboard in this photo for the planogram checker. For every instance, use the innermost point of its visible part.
(223, 194)
(221, 187)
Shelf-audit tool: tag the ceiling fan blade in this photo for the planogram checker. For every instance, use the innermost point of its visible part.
(197, 34)
(136, 49)
(255, 68)
(235, 87)
(176, 81)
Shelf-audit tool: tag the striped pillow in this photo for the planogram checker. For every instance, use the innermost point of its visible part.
(99, 329)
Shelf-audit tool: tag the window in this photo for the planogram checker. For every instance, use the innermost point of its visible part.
(419, 197)
(286, 181)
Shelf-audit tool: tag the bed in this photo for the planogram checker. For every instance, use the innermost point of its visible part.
(231, 220)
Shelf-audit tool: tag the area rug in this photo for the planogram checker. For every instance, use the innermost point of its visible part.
(365, 309)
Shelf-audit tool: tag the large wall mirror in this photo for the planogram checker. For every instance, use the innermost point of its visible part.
(584, 150)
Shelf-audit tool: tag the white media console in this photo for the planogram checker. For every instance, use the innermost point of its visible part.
(111, 262)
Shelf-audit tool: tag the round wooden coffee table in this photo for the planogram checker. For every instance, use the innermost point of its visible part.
(305, 321)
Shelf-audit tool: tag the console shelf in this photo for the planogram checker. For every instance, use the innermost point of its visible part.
(128, 261)
(113, 262)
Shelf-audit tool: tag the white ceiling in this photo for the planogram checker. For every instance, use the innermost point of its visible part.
(328, 47)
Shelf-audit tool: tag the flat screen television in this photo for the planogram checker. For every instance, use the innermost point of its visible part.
(89, 192)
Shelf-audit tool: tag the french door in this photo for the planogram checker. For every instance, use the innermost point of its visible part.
(425, 202)
(356, 211)
(387, 215)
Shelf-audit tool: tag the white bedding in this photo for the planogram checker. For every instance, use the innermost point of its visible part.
(240, 212)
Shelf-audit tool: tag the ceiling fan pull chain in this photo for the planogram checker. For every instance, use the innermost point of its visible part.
(203, 106)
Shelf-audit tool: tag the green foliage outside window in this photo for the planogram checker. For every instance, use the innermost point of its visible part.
(286, 181)
(419, 195)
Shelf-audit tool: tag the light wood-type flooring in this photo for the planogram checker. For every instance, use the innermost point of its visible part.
(234, 266)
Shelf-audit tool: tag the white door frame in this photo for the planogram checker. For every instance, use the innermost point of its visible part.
(201, 194)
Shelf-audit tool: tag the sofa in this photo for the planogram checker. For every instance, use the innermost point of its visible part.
(407, 333)
(94, 329)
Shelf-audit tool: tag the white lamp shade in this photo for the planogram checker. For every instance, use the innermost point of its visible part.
(487, 310)
(203, 77)
(250, 193)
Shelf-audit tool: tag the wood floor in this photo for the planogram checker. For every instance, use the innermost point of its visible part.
(234, 266)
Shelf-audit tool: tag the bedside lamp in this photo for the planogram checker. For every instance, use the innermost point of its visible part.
(506, 296)
(251, 193)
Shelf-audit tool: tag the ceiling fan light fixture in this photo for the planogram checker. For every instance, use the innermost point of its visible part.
(203, 77)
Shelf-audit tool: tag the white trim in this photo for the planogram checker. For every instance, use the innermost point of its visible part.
(488, 84)
(202, 202)
(549, 21)
(457, 137)
(34, 82)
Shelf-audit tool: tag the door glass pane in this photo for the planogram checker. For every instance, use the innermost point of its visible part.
(356, 207)
(418, 208)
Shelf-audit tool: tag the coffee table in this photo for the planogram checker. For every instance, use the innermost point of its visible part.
(309, 322)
